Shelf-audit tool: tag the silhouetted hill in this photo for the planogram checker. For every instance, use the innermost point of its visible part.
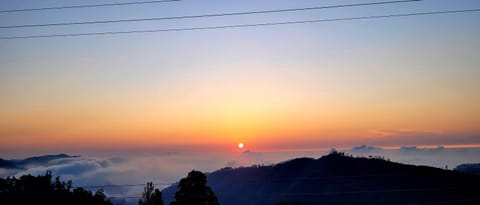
(31, 161)
(338, 179)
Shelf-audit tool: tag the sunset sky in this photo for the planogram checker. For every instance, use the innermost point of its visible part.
(385, 82)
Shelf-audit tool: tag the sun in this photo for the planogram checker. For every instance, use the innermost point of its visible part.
(241, 145)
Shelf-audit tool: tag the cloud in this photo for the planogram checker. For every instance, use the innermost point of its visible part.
(404, 132)
(82, 171)
(8, 172)
(365, 148)
(74, 167)
(410, 149)
(164, 169)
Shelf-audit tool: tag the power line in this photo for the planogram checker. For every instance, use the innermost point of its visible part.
(424, 189)
(86, 6)
(124, 197)
(123, 185)
(239, 25)
(262, 180)
(257, 180)
(207, 15)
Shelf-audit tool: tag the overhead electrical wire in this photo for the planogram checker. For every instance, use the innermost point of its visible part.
(241, 25)
(125, 185)
(86, 6)
(374, 191)
(254, 180)
(261, 180)
(207, 15)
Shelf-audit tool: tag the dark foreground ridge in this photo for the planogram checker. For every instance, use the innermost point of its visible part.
(339, 179)
(31, 190)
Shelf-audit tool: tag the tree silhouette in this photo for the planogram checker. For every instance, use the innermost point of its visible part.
(193, 191)
(30, 189)
(151, 197)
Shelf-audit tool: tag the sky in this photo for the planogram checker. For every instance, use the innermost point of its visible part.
(409, 81)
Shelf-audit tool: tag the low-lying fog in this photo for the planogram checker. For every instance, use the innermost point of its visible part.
(131, 172)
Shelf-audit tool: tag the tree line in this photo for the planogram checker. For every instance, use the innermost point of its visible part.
(192, 190)
(31, 190)
(43, 189)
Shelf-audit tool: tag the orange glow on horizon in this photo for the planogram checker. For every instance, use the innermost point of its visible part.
(216, 111)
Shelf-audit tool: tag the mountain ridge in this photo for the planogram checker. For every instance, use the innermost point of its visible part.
(338, 179)
(35, 160)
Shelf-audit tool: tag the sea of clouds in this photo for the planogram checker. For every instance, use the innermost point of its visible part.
(163, 169)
